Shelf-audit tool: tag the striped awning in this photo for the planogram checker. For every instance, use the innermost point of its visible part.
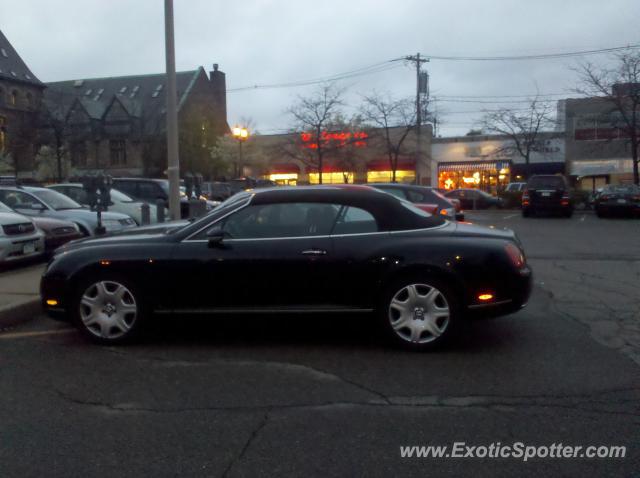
(474, 166)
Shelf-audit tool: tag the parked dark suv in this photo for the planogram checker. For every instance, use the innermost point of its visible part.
(547, 193)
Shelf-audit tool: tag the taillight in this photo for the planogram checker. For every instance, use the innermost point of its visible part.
(604, 198)
(525, 198)
(515, 255)
(565, 199)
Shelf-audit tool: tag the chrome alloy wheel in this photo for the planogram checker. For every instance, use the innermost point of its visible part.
(108, 309)
(419, 313)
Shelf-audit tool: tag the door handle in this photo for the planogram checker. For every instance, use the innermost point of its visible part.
(314, 252)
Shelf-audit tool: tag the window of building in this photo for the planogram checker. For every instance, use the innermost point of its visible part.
(4, 52)
(118, 151)
(3, 133)
(13, 98)
(2, 98)
(79, 154)
(29, 99)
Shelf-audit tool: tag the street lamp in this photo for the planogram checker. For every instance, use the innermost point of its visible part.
(241, 134)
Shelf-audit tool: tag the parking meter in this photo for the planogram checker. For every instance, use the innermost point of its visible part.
(188, 183)
(197, 180)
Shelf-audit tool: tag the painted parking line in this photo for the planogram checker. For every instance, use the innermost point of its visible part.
(41, 333)
(582, 218)
(510, 216)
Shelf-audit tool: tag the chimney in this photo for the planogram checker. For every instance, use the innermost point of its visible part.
(218, 83)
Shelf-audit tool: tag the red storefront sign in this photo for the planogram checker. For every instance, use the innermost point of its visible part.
(340, 138)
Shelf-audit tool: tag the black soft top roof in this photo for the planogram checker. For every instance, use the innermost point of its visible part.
(388, 210)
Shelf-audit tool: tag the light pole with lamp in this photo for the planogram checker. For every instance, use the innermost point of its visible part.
(241, 134)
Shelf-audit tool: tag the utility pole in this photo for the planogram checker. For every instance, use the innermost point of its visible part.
(173, 170)
(421, 88)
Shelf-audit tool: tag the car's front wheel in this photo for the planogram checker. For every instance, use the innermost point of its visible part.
(108, 310)
(419, 314)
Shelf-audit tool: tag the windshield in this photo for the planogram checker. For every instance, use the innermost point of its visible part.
(5, 208)
(56, 200)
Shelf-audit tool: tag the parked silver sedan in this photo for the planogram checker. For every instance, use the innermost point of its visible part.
(42, 202)
(19, 237)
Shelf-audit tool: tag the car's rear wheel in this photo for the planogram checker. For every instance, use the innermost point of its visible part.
(419, 314)
(108, 310)
(525, 213)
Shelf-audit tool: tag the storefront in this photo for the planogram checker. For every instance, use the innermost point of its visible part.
(284, 174)
(332, 173)
(490, 176)
(593, 174)
(379, 171)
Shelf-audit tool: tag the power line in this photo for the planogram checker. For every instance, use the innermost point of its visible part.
(367, 70)
(541, 56)
(493, 102)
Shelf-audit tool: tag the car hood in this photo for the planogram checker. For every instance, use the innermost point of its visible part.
(50, 223)
(90, 215)
(12, 218)
(137, 235)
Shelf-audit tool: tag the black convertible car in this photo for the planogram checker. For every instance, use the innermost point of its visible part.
(341, 249)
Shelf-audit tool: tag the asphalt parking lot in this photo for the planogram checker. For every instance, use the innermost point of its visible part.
(318, 396)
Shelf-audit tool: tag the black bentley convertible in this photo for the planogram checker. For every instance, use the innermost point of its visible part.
(330, 249)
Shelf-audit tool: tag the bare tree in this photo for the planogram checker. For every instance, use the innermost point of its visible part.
(348, 138)
(619, 88)
(390, 120)
(313, 116)
(521, 126)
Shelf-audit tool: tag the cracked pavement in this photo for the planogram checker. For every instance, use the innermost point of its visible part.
(324, 396)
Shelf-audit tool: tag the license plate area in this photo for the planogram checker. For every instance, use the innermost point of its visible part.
(29, 248)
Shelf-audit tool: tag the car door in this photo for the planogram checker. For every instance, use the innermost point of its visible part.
(272, 256)
(358, 261)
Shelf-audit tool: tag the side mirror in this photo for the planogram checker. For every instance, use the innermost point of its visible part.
(215, 236)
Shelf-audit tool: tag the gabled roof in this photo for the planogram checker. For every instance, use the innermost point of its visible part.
(12, 67)
(141, 95)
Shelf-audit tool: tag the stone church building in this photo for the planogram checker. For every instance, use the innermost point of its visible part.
(113, 124)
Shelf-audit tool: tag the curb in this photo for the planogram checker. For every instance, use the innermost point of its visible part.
(19, 312)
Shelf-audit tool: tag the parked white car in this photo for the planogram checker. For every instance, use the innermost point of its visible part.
(121, 202)
(19, 237)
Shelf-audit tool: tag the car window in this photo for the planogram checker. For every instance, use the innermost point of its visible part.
(127, 187)
(18, 199)
(550, 182)
(353, 220)
(281, 220)
(77, 194)
(416, 196)
(56, 200)
(399, 193)
(150, 191)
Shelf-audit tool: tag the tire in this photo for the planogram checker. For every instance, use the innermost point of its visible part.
(599, 213)
(117, 313)
(413, 320)
(525, 213)
(568, 214)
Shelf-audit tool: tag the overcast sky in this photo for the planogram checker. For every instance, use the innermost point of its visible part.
(262, 42)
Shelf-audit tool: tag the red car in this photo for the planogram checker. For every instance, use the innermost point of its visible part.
(56, 232)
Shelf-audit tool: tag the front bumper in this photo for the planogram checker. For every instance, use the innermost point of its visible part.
(17, 248)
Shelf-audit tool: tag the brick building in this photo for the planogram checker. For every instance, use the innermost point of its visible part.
(20, 102)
